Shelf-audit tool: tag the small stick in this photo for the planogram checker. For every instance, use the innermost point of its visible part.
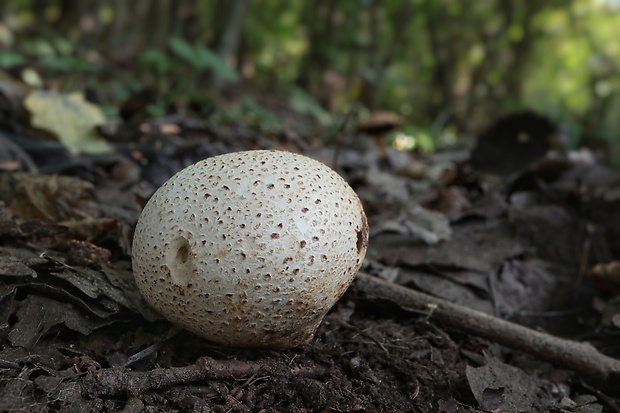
(580, 357)
(122, 382)
(339, 136)
(363, 333)
(153, 348)
(118, 381)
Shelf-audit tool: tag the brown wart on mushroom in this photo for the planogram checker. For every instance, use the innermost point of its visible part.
(250, 249)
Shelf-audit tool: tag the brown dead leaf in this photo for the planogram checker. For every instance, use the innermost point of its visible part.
(85, 254)
(501, 387)
(37, 315)
(49, 198)
(463, 287)
(92, 229)
(82, 299)
(51, 210)
(417, 223)
(475, 246)
(449, 201)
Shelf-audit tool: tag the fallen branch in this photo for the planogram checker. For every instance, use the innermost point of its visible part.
(580, 357)
(118, 381)
(121, 382)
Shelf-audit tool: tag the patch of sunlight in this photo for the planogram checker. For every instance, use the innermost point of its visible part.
(403, 142)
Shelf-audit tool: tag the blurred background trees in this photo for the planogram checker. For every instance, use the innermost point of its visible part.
(448, 64)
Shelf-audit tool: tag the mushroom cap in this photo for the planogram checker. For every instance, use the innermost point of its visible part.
(250, 249)
(380, 122)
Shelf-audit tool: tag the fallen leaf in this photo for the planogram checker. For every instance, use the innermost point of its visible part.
(450, 288)
(70, 119)
(13, 91)
(38, 315)
(476, 246)
(49, 198)
(105, 286)
(504, 388)
(449, 201)
(417, 223)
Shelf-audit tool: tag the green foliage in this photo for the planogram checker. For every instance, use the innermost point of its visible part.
(249, 112)
(275, 38)
(421, 58)
(171, 81)
(410, 137)
(9, 59)
(158, 60)
(305, 104)
(200, 57)
(579, 81)
(68, 65)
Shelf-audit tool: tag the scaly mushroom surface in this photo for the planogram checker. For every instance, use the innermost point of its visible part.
(250, 249)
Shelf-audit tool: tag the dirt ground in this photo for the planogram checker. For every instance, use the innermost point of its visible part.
(372, 363)
(539, 248)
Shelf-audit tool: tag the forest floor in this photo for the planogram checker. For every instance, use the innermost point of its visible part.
(538, 248)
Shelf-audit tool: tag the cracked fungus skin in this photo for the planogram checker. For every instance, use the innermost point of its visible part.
(250, 249)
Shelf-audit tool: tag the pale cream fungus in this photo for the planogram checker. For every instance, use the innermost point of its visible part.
(250, 249)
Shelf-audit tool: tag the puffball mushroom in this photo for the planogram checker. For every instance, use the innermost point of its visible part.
(250, 249)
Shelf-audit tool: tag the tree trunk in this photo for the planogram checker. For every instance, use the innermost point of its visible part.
(162, 18)
(444, 62)
(320, 23)
(371, 82)
(372, 88)
(230, 37)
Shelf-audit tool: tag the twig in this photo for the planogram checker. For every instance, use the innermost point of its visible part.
(5, 364)
(118, 381)
(121, 382)
(141, 355)
(580, 357)
(363, 333)
(339, 136)
(133, 405)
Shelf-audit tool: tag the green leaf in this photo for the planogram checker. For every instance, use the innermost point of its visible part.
(9, 60)
(263, 118)
(157, 59)
(69, 64)
(305, 104)
(202, 58)
(212, 61)
(184, 50)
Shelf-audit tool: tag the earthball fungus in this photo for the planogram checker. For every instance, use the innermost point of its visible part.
(250, 249)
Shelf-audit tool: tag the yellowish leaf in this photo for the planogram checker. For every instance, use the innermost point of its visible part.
(70, 119)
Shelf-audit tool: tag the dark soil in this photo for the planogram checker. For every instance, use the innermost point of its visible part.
(539, 248)
(363, 360)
